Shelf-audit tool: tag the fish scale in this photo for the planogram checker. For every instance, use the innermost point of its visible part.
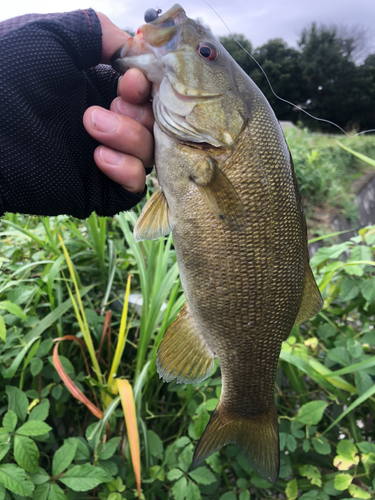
(230, 197)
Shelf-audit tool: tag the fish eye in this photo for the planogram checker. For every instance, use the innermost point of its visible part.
(208, 51)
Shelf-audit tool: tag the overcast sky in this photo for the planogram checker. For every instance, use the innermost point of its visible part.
(258, 20)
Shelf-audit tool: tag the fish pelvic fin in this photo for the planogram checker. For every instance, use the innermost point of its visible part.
(257, 438)
(155, 220)
(312, 301)
(183, 353)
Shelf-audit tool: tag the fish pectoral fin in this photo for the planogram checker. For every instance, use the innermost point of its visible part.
(256, 436)
(222, 198)
(155, 220)
(183, 353)
(312, 301)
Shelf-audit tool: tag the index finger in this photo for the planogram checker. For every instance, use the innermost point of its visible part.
(134, 87)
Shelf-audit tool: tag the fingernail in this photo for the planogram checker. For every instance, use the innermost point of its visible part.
(104, 121)
(110, 156)
(131, 110)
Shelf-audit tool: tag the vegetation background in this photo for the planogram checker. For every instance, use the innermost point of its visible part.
(67, 279)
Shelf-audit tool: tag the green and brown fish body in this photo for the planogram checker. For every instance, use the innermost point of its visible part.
(230, 196)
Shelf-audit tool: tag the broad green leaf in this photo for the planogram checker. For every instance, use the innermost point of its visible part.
(306, 445)
(34, 428)
(211, 404)
(83, 452)
(242, 483)
(311, 413)
(26, 453)
(84, 477)
(4, 448)
(244, 495)
(63, 457)
(200, 423)
(41, 492)
(366, 447)
(342, 481)
(155, 444)
(296, 429)
(202, 475)
(186, 457)
(192, 491)
(229, 495)
(40, 477)
(40, 411)
(312, 473)
(56, 493)
(16, 480)
(291, 443)
(349, 289)
(13, 309)
(215, 463)
(107, 450)
(157, 472)
(2, 492)
(174, 474)
(179, 489)
(291, 489)
(17, 401)
(367, 287)
(354, 348)
(182, 441)
(357, 492)
(321, 445)
(347, 455)
(314, 495)
(363, 382)
(36, 366)
(10, 421)
(3, 330)
(258, 481)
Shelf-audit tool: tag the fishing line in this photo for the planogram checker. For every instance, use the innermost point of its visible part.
(270, 86)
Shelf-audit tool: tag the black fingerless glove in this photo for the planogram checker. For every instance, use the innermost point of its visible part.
(48, 78)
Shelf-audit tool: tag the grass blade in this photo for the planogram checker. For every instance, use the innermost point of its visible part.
(128, 406)
(370, 392)
(69, 384)
(121, 337)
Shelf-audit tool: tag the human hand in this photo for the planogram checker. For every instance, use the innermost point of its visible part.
(125, 131)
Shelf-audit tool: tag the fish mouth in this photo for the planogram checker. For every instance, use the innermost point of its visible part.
(152, 39)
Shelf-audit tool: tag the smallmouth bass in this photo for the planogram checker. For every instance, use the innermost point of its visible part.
(229, 195)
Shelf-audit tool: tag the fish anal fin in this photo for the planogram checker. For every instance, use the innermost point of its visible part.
(219, 194)
(312, 301)
(257, 438)
(183, 353)
(155, 220)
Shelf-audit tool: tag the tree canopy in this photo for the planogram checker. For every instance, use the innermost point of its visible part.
(321, 76)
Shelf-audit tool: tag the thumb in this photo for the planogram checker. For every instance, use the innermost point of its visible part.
(112, 37)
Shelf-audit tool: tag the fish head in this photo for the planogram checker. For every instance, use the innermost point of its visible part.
(195, 93)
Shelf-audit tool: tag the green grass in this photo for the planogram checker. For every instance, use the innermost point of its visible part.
(326, 172)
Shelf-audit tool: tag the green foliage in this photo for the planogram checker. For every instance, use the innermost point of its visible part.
(320, 77)
(326, 172)
(51, 448)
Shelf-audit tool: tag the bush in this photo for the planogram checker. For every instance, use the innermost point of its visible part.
(53, 447)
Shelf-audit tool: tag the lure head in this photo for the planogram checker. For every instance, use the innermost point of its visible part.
(196, 89)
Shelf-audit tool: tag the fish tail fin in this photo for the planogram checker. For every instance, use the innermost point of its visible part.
(257, 438)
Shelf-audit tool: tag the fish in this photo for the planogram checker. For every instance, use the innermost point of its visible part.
(229, 195)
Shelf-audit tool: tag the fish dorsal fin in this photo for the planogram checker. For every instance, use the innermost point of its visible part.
(220, 195)
(183, 353)
(155, 220)
(312, 301)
